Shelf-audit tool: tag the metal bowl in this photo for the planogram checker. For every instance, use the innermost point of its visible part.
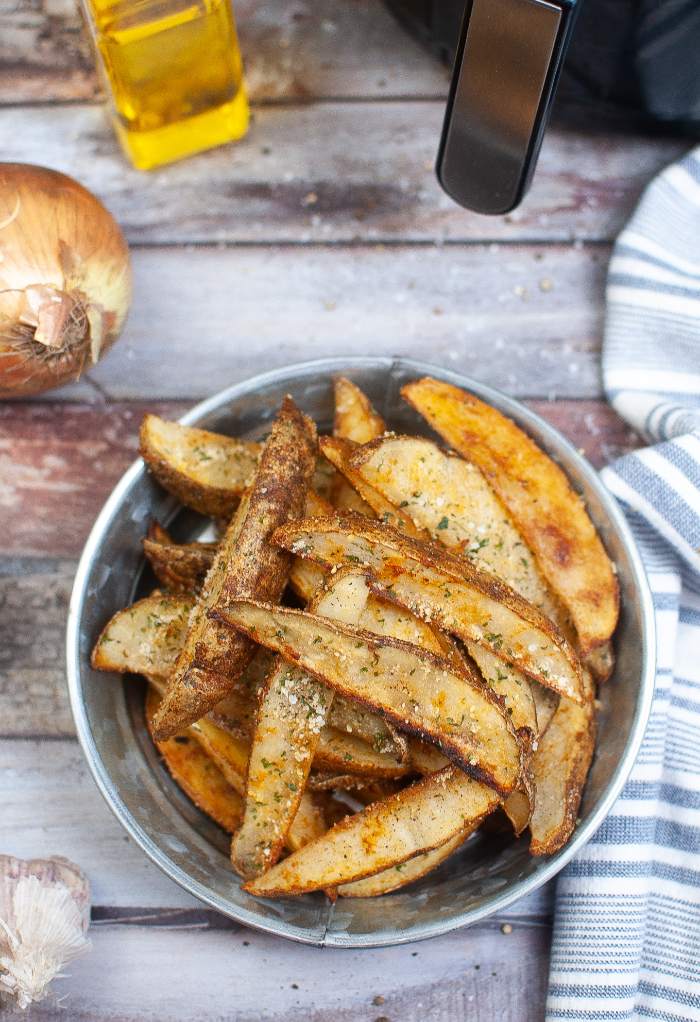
(491, 871)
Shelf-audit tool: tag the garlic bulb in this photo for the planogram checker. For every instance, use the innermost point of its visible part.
(44, 916)
(65, 279)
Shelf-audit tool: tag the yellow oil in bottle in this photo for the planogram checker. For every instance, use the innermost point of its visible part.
(175, 74)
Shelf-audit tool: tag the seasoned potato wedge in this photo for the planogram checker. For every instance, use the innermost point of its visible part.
(403, 873)
(600, 661)
(538, 496)
(426, 758)
(206, 471)
(418, 819)
(355, 418)
(145, 638)
(451, 500)
(180, 567)
(444, 588)
(197, 774)
(340, 452)
(293, 709)
(512, 686)
(546, 703)
(305, 577)
(559, 768)
(228, 757)
(343, 752)
(246, 565)
(411, 688)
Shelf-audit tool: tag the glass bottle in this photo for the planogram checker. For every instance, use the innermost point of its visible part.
(174, 71)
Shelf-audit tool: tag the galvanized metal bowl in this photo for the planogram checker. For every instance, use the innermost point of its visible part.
(491, 871)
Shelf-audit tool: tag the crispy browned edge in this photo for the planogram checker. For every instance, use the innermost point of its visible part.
(208, 500)
(257, 568)
(431, 556)
(213, 802)
(557, 540)
(372, 641)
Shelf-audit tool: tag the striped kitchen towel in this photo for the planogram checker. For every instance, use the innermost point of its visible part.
(627, 919)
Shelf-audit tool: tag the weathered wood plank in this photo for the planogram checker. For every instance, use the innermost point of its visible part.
(319, 49)
(59, 463)
(138, 974)
(44, 54)
(335, 172)
(50, 805)
(34, 598)
(525, 319)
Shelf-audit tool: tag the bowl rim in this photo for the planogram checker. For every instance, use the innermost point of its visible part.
(515, 891)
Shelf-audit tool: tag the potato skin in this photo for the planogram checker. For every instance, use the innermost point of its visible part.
(539, 498)
(177, 473)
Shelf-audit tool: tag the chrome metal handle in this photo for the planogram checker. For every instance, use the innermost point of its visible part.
(505, 75)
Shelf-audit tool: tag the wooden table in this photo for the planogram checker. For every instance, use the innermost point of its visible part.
(322, 232)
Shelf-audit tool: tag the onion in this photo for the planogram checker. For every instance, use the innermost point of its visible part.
(65, 279)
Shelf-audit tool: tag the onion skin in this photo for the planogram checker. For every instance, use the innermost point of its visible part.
(65, 279)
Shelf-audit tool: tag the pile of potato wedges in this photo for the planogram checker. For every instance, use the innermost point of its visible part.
(391, 640)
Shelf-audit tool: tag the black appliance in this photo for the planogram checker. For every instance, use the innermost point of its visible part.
(631, 63)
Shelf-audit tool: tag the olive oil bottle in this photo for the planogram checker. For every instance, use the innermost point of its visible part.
(174, 71)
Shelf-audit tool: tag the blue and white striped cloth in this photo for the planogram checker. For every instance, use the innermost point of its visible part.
(627, 921)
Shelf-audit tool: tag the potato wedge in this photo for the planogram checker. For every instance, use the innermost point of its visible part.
(514, 689)
(197, 775)
(378, 616)
(126, 651)
(355, 418)
(426, 758)
(559, 768)
(206, 471)
(600, 661)
(180, 567)
(442, 587)
(236, 714)
(305, 577)
(340, 452)
(348, 716)
(418, 819)
(342, 752)
(451, 500)
(538, 496)
(411, 688)
(404, 873)
(546, 703)
(145, 638)
(293, 709)
(512, 686)
(230, 758)
(246, 565)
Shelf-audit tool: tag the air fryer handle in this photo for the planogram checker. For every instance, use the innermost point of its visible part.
(505, 75)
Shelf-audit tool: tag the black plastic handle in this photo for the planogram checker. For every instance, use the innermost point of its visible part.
(505, 75)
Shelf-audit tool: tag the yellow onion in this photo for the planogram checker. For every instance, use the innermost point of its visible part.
(65, 279)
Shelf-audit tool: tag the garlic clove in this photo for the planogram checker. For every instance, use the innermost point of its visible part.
(44, 917)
